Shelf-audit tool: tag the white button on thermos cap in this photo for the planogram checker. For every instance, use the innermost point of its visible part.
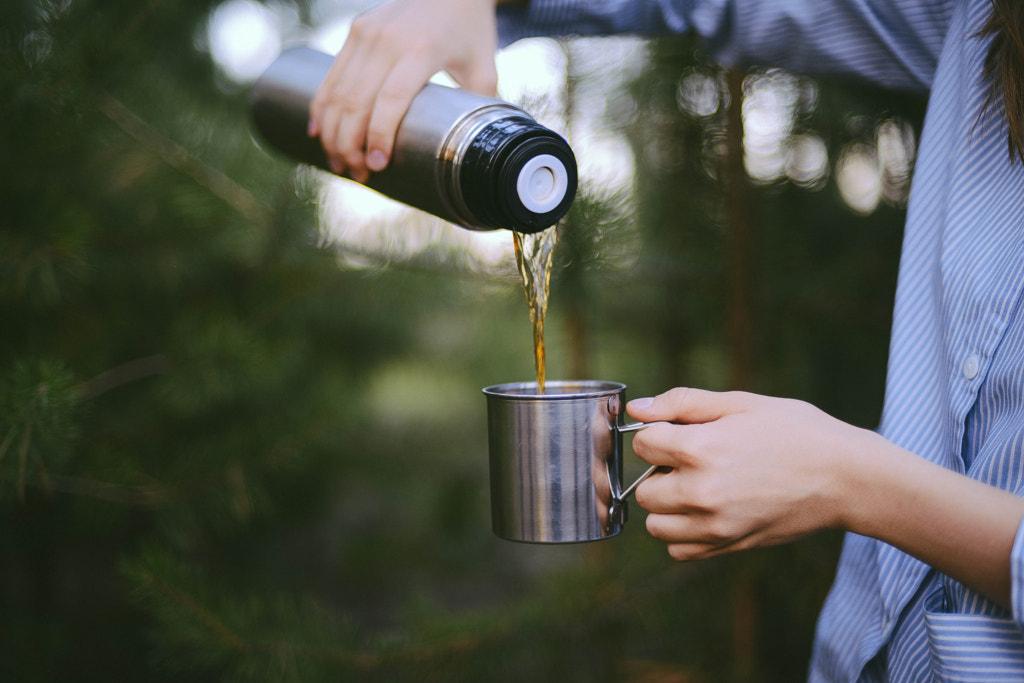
(542, 183)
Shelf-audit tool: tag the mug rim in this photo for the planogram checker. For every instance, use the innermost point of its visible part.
(581, 388)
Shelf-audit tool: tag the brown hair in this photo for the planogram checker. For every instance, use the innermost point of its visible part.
(1004, 68)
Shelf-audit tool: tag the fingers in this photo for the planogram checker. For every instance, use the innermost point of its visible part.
(399, 89)
(678, 529)
(663, 444)
(685, 510)
(689, 406)
(390, 54)
(679, 446)
(692, 537)
(341, 110)
(682, 492)
(326, 92)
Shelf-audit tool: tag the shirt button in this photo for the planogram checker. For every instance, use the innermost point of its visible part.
(970, 367)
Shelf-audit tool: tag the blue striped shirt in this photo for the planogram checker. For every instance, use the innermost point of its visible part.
(955, 387)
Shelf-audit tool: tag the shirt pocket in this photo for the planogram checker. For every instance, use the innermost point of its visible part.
(972, 648)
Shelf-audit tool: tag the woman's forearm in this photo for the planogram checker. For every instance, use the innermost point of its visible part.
(961, 527)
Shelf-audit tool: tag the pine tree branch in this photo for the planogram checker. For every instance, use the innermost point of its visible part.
(131, 371)
(198, 610)
(135, 496)
(44, 475)
(460, 644)
(157, 495)
(26, 439)
(7, 442)
(179, 158)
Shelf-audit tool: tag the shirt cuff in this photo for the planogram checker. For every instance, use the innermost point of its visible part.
(1017, 577)
(588, 17)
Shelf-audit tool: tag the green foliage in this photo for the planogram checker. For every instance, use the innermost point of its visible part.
(39, 406)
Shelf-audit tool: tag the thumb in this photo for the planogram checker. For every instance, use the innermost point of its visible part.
(687, 406)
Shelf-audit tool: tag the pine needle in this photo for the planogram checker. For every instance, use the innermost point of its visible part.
(26, 439)
(6, 443)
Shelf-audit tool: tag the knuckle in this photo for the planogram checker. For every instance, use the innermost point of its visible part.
(678, 395)
(364, 28)
(392, 95)
(416, 46)
(641, 496)
(350, 104)
(719, 532)
(704, 494)
(346, 156)
(803, 407)
(640, 446)
(685, 552)
(654, 527)
(328, 136)
(381, 32)
(352, 160)
(680, 490)
(700, 441)
(678, 553)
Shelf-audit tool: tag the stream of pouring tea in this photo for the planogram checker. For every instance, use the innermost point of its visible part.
(533, 258)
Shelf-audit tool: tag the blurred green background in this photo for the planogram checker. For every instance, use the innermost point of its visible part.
(237, 443)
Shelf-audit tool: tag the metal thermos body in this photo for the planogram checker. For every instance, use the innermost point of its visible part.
(476, 161)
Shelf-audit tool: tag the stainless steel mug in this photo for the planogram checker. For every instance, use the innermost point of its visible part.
(556, 460)
(473, 160)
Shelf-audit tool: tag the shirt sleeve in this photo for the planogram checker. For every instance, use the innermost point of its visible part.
(892, 43)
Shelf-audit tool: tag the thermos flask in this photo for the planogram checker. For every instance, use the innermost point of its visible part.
(473, 160)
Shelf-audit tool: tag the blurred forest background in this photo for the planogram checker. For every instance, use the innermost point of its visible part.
(243, 440)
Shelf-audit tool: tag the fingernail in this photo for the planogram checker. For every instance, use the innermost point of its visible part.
(311, 128)
(376, 160)
(336, 166)
(641, 403)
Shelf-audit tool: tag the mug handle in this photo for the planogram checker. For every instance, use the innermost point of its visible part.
(636, 427)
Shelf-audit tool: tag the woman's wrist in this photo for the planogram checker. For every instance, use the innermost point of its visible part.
(862, 473)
